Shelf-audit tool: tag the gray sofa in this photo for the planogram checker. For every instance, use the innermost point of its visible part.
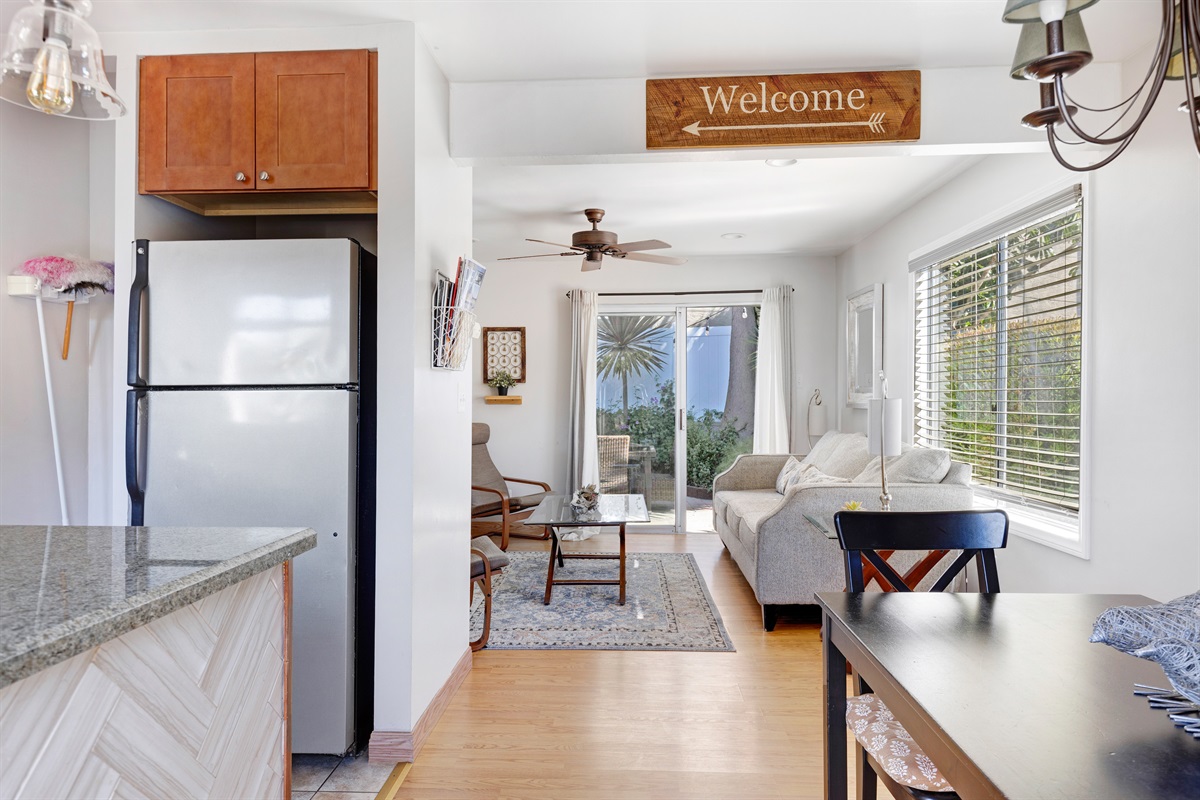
(774, 537)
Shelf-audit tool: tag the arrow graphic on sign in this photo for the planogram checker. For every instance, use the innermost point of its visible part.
(875, 123)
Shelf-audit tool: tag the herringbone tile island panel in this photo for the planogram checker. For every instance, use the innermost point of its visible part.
(189, 705)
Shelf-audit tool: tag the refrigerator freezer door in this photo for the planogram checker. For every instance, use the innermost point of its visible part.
(251, 313)
(272, 458)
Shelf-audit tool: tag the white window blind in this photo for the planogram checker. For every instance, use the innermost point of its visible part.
(998, 368)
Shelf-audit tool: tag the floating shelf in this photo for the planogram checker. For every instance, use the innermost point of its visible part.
(503, 400)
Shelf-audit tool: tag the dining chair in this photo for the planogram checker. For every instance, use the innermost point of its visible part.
(884, 749)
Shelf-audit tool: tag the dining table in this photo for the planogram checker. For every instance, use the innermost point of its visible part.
(1006, 695)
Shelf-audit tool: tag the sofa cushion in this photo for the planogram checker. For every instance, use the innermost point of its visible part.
(789, 468)
(824, 448)
(918, 465)
(846, 457)
(809, 474)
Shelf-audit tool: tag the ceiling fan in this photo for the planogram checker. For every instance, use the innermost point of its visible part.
(596, 244)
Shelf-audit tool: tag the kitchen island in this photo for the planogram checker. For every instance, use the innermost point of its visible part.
(145, 662)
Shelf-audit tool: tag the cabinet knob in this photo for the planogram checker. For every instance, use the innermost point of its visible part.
(240, 177)
(264, 176)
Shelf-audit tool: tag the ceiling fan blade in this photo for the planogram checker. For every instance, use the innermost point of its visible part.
(645, 244)
(556, 244)
(543, 255)
(654, 259)
(590, 266)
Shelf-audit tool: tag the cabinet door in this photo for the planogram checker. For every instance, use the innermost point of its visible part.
(196, 123)
(312, 110)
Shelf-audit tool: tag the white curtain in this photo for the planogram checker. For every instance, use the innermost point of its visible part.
(773, 382)
(583, 463)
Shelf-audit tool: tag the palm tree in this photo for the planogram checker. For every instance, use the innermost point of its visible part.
(629, 346)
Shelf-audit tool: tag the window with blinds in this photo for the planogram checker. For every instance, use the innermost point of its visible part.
(999, 367)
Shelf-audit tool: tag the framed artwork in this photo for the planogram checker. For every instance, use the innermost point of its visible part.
(504, 348)
(864, 344)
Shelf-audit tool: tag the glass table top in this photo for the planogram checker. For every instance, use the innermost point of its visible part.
(613, 510)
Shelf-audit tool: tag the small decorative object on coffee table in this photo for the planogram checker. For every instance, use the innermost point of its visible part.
(501, 380)
(586, 499)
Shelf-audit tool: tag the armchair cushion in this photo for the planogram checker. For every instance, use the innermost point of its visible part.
(494, 506)
(891, 746)
(496, 558)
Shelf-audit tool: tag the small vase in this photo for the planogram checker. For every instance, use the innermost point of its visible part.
(502, 391)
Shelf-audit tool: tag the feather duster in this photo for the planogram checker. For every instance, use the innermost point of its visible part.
(70, 275)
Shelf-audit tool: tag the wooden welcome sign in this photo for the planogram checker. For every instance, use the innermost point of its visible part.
(765, 110)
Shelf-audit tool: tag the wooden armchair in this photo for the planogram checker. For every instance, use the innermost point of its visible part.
(490, 498)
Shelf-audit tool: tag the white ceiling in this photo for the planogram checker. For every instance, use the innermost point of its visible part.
(819, 206)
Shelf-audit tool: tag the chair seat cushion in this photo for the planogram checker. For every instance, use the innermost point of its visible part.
(496, 557)
(486, 509)
(891, 746)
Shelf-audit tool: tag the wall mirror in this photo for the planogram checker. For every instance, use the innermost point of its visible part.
(864, 344)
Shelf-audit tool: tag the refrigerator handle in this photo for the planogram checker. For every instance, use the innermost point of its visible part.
(137, 495)
(141, 279)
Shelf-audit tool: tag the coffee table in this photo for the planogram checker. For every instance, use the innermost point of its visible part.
(615, 510)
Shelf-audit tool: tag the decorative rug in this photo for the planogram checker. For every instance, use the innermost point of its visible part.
(667, 606)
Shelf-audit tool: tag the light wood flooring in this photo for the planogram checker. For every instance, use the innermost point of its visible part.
(578, 724)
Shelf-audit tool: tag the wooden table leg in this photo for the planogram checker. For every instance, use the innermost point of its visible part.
(554, 555)
(834, 713)
(621, 595)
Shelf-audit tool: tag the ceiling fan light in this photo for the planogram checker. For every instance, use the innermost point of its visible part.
(1031, 46)
(1032, 10)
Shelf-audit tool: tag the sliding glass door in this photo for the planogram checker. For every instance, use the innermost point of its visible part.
(675, 405)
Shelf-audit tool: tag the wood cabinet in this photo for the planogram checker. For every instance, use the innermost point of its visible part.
(218, 132)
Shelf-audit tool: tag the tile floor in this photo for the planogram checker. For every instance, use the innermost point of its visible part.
(335, 778)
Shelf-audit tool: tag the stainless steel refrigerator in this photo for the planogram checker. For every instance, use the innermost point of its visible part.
(252, 403)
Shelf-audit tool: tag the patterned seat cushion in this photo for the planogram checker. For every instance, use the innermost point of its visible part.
(891, 746)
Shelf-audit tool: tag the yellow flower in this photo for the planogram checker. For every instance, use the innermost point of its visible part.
(852, 505)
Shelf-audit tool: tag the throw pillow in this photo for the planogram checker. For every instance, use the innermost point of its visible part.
(807, 474)
(918, 465)
(883, 737)
(781, 480)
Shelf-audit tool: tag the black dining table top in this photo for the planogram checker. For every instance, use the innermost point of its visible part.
(1013, 682)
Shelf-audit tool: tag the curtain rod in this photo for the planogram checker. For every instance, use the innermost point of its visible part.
(678, 294)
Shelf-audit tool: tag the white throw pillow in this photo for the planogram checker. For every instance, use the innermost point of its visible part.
(781, 480)
(809, 474)
(918, 465)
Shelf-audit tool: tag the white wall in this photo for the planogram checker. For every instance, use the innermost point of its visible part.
(1143, 287)
(529, 440)
(423, 447)
(43, 211)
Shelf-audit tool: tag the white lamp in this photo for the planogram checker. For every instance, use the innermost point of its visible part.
(883, 435)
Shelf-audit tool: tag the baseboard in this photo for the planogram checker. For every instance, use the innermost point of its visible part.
(389, 747)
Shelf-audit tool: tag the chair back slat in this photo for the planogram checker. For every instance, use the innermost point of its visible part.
(978, 534)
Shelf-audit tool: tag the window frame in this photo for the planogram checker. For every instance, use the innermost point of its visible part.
(1043, 527)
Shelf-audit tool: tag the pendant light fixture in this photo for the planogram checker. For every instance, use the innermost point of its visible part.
(52, 62)
(1053, 47)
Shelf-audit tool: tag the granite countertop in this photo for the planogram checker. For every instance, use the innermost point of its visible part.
(66, 589)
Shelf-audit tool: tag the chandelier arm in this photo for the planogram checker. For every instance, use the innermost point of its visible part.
(1191, 47)
(1053, 137)
(1158, 70)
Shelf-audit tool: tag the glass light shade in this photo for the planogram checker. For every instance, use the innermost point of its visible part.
(1175, 65)
(1030, 10)
(1032, 43)
(52, 62)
